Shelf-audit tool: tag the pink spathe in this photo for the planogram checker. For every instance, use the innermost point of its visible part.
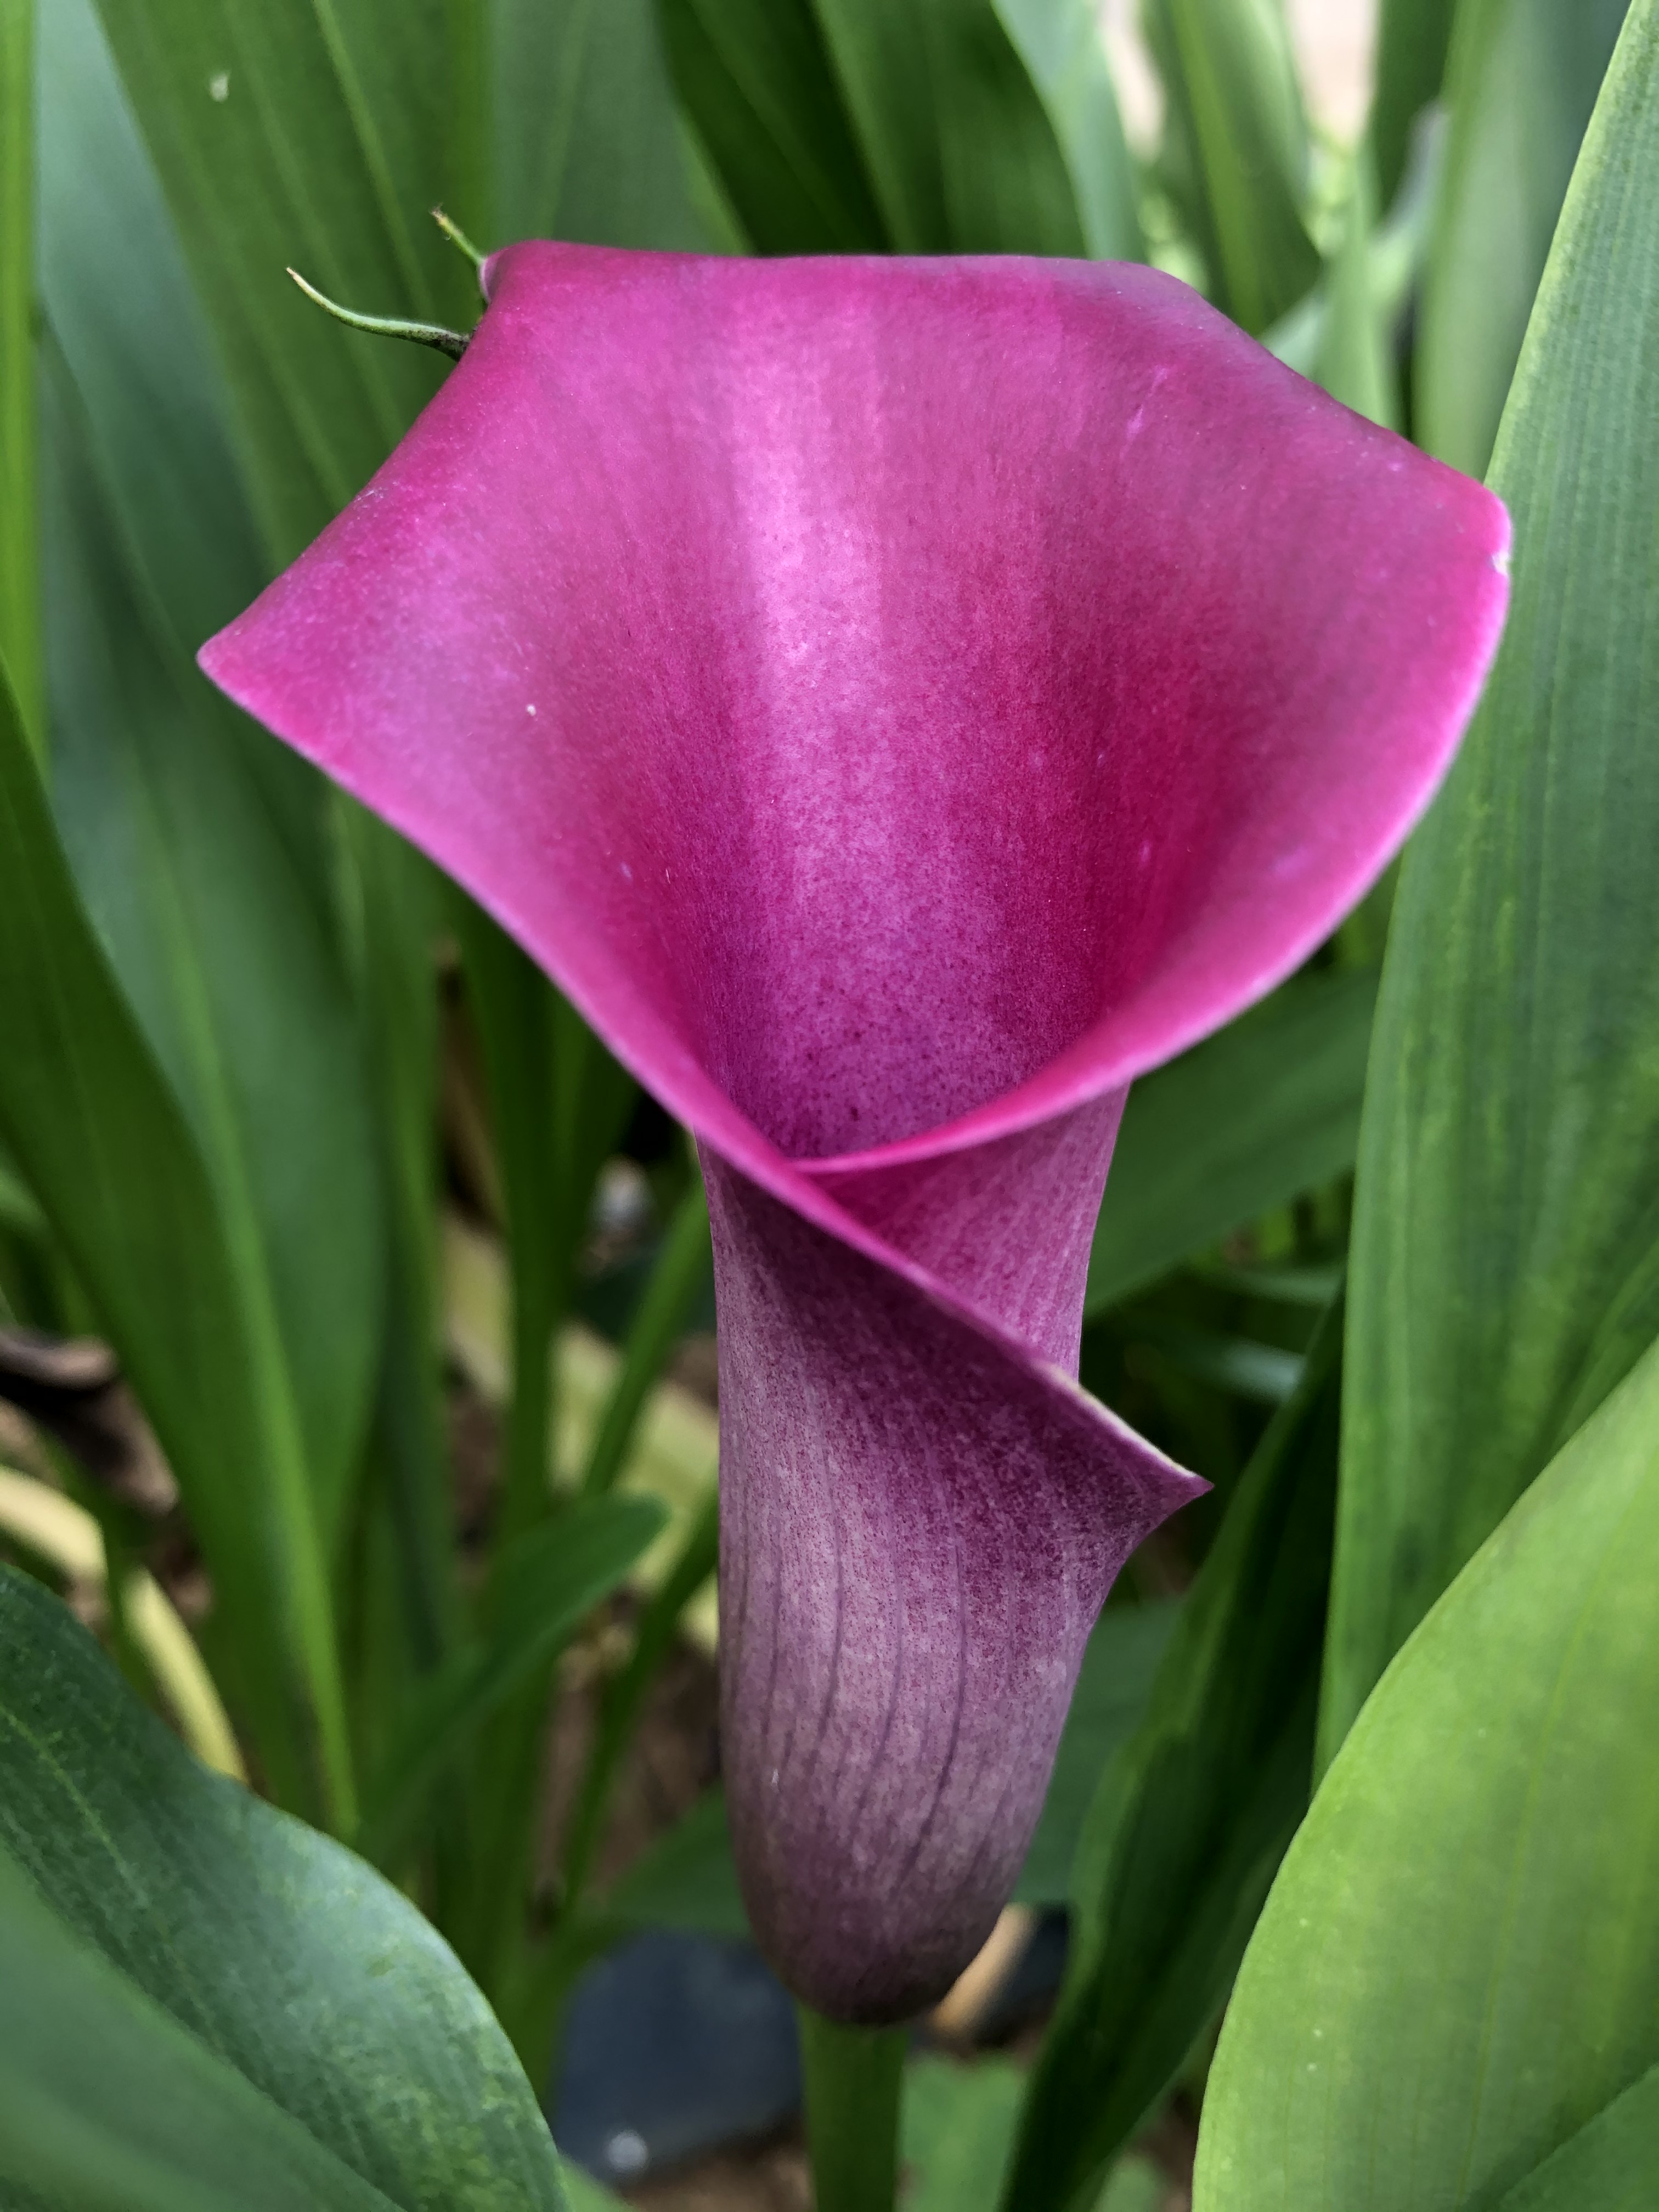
(899, 703)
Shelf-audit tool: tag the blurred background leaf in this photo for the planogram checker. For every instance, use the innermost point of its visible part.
(1235, 155)
(1505, 1267)
(957, 2130)
(1249, 1119)
(20, 582)
(586, 141)
(1411, 38)
(959, 148)
(1113, 1685)
(914, 127)
(1060, 44)
(1522, 79)
(90, 1118)
(1192, 1813)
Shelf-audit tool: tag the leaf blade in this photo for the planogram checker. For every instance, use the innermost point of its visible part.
(1505, 1258)
(275, 1948)
(1522, 79)
(1245, 1122)
(1459, 1966)
(1191, 1818)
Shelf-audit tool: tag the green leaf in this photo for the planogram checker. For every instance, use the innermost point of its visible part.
(106, 2102)
(883, 126)
(1191, 1818)
(688, 1878)
(584, 2192)
(956, 2129)
(95, 1129)
(1411, 38)
(198, 844)
(1243, 1123)
(1236, 149)
(1061, 43)
(219, 1925)
(1458, 1969)
(1355, 358)
(1506, 1268)
(1608, 2166)
(224, 955)
(20, 578)
(679, 1276)
(405, 1593)
(546, 1585)
(1113, 1688)
(1520, 80)
(585, 141)
(955, 138)
(559, 1103)
(319, 138)
(767, 110)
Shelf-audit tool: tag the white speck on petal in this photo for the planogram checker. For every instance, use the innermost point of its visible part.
(219, 87)
(530, 710)
(628, 872)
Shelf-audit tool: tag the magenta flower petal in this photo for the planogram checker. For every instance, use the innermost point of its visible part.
(899, 703)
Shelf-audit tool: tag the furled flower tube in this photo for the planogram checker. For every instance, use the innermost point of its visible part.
(899, 703)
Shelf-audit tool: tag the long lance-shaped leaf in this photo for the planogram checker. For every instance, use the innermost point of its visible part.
(1061, 45)
(758, 83)
(559, 1102)
(318, 138)
(586, 139)
(20, 585)
(392, 904)
(1506, 1234)
(283, 1958)
(91, 1120)
(1455, 1982)
(201, 856)
(1244, 1122)
(1522, 79)
(845, 126)
(1191, 1818)
(1411, 38)
(1238, 148)
(552, 1578)
(1354, 359)
(955, 138)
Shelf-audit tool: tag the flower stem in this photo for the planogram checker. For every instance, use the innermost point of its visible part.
(385, 326)
(853, 2079)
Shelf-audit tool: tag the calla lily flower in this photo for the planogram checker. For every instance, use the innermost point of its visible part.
(899, 703)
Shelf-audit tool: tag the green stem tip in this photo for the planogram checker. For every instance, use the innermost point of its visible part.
(854, 2078)
(453, 231)
(385, 326)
